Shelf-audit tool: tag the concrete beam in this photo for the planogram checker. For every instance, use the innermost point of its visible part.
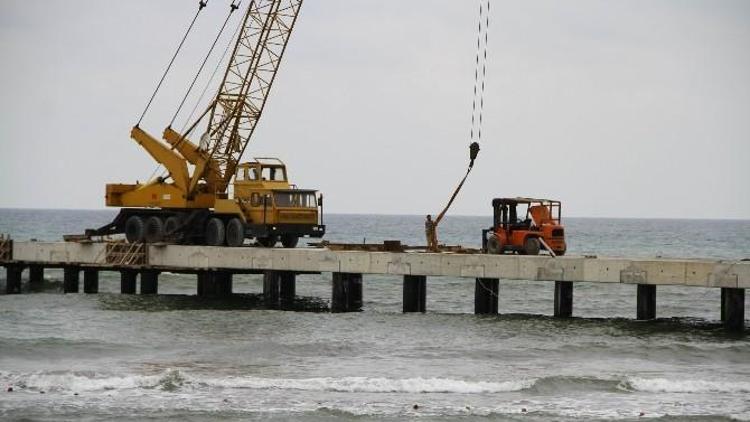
(685, 272)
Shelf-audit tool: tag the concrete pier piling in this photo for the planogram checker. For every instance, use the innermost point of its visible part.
(563, 299)
(128, 280)
(733, 308)
(486, 292)
(71, 279)
(287, 289)
(646, 302)
(90, 280)
(149, 282)
(214, 283)
(13, 280)
(271, 288)
(346, 293)
(415, 293)
(36, 276)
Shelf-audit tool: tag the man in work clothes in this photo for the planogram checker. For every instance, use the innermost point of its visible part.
(430, 231)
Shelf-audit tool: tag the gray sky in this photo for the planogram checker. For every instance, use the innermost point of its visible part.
(619, 109)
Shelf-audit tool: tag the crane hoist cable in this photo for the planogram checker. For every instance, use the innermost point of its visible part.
(232, 8)
(201, 5)
(198, 102)
(480, 65)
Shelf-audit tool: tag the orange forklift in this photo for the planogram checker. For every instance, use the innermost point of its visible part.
(540, 228)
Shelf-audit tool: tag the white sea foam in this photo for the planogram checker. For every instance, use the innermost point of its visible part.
(662, 385)
(174, 379)
(374, 385)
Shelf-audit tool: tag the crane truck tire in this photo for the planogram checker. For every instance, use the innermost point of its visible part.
(531, 246)
(170, 228)
(215, 232)
(235, 232)
(135, 229)
(289, 240)
(153, 230)
(494, 245)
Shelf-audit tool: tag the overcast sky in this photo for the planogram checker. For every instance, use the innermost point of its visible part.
(619, 109)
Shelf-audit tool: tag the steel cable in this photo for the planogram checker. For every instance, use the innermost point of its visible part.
(480, 78)
(232, 8)
(201, 4)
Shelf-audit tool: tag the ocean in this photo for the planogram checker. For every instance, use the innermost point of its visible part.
(178, 357)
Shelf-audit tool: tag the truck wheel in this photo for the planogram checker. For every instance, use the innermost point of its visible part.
(531, 246)
(170, 228)
(134, 229)
(494, 245)
(289, 240)
(154, 230)
(215, 232)
(268, 241)
(235, 232)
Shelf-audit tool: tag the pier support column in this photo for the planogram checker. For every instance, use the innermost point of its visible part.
(287, 289)
(646, 302)
(70, 279)
(128, 281)
(36, 277)
(14, 273)
(347, 292)
(485, 295)
(271, 288)
(564, 299)
(149, 282)
(90, 280)
(415, 293)
(214, 283)
(733, 308)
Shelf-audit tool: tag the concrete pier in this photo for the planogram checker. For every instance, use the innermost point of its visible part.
(128, 279)
(287, 289)
(646, 302)
(36, 276)
(71, 279)
(730, 275)
(486, 292)
(733, 308)
(415, 293)
(214, 283)
(346, 293)
(90, 280)
(149, 282)
(14, 274)
(563, 299)
(271, 288)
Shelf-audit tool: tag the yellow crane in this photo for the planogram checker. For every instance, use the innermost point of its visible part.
(195, 206)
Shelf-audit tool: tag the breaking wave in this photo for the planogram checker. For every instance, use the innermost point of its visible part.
(662, 385)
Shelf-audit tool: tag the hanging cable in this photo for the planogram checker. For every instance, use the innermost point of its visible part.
(201, 4)
(210, 80)
(476, 72)
(480, 71)
(484, 70)
(232, 8)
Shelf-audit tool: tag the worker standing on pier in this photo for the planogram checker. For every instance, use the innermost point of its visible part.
(431, 234)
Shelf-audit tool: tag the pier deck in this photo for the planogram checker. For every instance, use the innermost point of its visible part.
(215, 265)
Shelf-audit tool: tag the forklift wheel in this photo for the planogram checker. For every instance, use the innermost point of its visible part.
(531, 246)
(494, 245)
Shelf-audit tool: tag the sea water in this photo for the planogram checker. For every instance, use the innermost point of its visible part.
(179, 357)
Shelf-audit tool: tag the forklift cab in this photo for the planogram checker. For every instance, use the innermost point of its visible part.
(523, 225)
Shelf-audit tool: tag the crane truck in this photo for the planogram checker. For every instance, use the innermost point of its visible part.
(196, 206)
